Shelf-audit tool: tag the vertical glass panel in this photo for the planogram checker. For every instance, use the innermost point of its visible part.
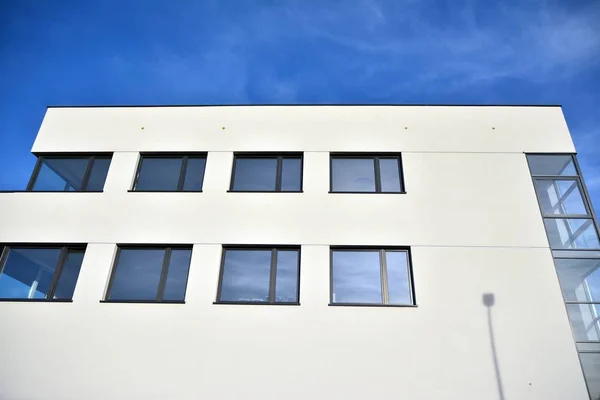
(579, 279)
(353, 175)
(356, 277)
(566, 233)
(98, 174)
(291, 174)
(27, 272)
(159, 174)
(397, 276)
(584, 321)
(246, 275)
(137, 274)
(61, 174)
(255, 174)
(591, 371)
(177, 276)
(286, 287)
(194, 173)
(551, 165)
(68, 276)
(560, 197)
(390, 175)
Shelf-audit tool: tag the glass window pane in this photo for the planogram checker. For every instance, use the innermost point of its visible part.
(356, 277)
(579, 279)
(137, 274)
(68, 276)
(584, 321)
(98, 174)
(397, 276)
(177, 276)
(560, 197)
(286, 287)
(590, 363)
(571, 233)
(291, 174)
(61, 174)
(159, 174)
(352, 175)
(255, 174)
(27, 273)
(390, 175)
(551, 165)
(246, 275)
(194, 173)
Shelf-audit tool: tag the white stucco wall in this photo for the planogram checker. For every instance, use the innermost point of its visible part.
(470, 216)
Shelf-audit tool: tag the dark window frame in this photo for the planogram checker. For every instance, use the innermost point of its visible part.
(86, 177)
(272, 276)
(185, 156)
(383, 275)
(163, 275)
(375, 156)
(279, 156)
(65, 249)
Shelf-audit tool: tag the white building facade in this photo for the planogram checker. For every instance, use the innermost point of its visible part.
(297, 252)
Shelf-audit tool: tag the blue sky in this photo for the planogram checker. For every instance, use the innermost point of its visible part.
(304, 51)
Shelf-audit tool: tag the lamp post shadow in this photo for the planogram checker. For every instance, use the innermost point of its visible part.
(488, 302)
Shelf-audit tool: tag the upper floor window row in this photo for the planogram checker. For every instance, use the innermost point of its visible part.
(251, 172)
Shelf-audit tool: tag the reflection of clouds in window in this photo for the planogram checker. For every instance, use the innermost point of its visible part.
(397, 277)
(353, 175)
(390, 174)
(137, 274)
(176, 283)
(246, 275)
(286, 287)
(356, 277)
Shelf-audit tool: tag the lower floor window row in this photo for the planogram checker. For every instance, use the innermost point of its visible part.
(248, 274)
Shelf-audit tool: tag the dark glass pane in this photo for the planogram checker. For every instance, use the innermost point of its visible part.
(397, 276)
(255, 174)
(291, 175)
(579, 279)
(551, 165)
(584, 321)
(98, 174)
(246, 275)
(565, 233)
(356, 277)
(68, 276)
(159, 174)
(137, 274)
(352, 175)
(177, 276)
(390, 175)
(286, 287)
(590, 363)
(194, 174)
(560, 197)
(61, 174)
(27, 273)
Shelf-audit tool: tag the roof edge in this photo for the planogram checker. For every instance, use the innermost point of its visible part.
(297, 105)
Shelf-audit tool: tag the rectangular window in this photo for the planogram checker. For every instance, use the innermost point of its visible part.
(39, 272)
(366, 173)
(261, 275)
(267, 173)
(73, 173)
(170, 173)
(371, 276)
(150, 274)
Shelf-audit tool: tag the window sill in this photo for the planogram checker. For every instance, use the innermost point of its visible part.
(264, 191)
(51, 191)
(332, 192)
(371, 305)
(143, 301)
(255, 303)
(164, 191)
(37, 300)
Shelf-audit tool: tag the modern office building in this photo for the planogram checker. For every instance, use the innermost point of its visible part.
(301, 252)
